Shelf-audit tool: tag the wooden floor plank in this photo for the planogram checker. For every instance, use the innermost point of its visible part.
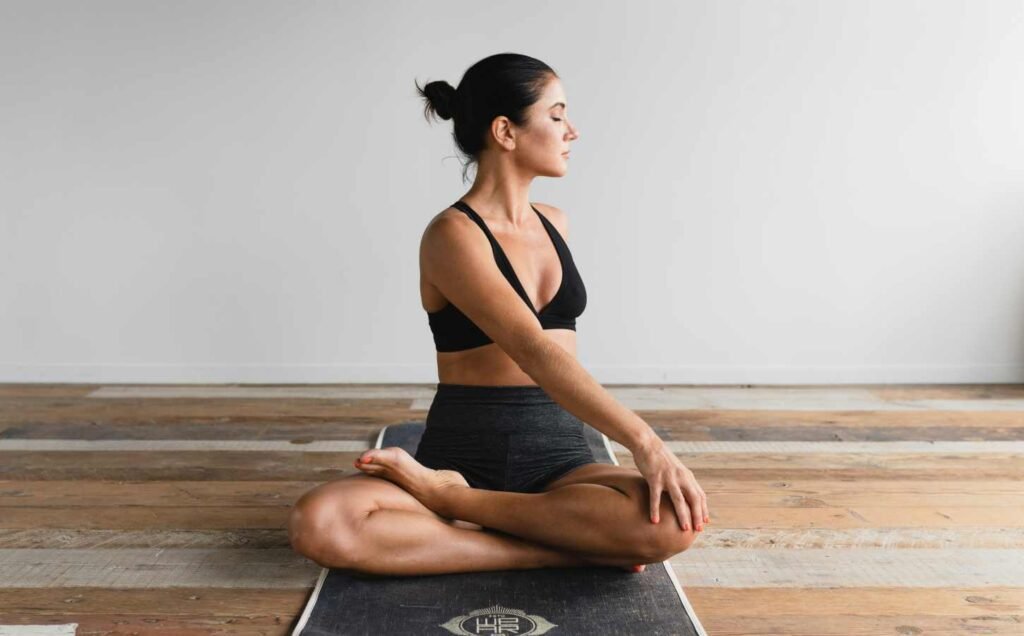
(751, 421)
(268, 622)
(708, 601)
(31, 410)
(88, 493)
(299, 430)
(882, 391)
(862, 601)
(821, 447)
(359, 424)
(215, 517)
(863, 431)
(263, 624)
(995, 488)
(254, 538)
(772, 400)
(897, 392)
(726, 493)
(713, 536)
(321, 467)
(51, 409)
(847, 466)
(157, 568)
(146, 517)
(267, 391)
(723, 610)
(262, 446)
(189, 466)
(12, 390)
(741, 624)
(701, 567)
(876, 537)
(165, 601)
(680, 447)
(850, 567)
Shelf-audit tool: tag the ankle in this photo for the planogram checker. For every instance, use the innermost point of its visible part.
(444, 500)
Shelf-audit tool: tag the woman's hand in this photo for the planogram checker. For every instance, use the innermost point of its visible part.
(665, 473)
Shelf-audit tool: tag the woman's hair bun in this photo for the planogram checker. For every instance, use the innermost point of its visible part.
(500, 85)
(439, 97)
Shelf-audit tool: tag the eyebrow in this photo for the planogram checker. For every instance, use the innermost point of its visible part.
(556, 104)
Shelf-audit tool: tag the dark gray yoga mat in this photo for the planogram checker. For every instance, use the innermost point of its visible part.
(598, 600)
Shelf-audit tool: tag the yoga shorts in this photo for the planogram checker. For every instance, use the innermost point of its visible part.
(510, 438)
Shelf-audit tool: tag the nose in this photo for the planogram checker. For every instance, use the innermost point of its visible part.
(574, 132)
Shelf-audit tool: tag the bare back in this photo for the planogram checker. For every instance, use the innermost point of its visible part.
(536, 263)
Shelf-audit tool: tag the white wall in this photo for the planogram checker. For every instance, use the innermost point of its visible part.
(763, 192)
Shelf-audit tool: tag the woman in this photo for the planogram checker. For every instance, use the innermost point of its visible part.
(503, 477)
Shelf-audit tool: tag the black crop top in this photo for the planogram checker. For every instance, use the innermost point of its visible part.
(453, 331)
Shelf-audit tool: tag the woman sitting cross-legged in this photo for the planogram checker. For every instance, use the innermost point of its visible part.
(503, 477)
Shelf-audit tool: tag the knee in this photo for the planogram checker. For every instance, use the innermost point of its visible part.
(317, 530)
(660, 541)
(670, 540)
(667, 536)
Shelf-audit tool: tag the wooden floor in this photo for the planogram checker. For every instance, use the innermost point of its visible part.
(835, 510)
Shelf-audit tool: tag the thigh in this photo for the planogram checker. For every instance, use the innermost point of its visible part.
(359, 494)
(628, 481)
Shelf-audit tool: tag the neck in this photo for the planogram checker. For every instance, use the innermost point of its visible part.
(501, 192)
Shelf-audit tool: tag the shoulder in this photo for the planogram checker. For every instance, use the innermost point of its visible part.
(557, 218)
(448, 222)
(450, 229)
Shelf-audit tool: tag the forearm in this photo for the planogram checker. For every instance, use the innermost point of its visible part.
(562, 377)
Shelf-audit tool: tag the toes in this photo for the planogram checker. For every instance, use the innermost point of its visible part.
(365, 464)
(379, 458)
(380, 453)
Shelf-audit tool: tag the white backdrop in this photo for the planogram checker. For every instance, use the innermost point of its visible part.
(762, 192)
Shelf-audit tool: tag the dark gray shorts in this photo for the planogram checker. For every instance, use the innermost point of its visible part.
(513, 438)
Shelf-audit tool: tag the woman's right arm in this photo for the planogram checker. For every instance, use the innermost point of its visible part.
(459, 261)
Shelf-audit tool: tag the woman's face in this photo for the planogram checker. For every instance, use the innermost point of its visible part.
(542, 145)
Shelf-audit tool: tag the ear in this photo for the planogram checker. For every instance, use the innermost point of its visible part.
(503, 132)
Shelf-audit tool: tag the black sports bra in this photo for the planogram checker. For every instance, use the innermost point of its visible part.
(453, 331)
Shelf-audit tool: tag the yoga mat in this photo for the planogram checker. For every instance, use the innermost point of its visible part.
(585, 600)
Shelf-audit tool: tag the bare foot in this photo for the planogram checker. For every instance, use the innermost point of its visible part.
(396, 465)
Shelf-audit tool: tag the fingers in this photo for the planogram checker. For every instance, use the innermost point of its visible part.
(682, 511)
(655, 502)
(704, 505)
(696, 509)
(688, 499)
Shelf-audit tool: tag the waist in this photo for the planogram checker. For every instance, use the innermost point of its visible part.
(520, 394)
(505, 409)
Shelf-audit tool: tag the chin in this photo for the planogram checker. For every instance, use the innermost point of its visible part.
(556, 171)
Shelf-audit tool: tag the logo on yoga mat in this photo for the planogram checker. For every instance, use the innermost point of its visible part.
(498, 620)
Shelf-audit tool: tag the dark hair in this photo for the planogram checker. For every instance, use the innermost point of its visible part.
(502, 84)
